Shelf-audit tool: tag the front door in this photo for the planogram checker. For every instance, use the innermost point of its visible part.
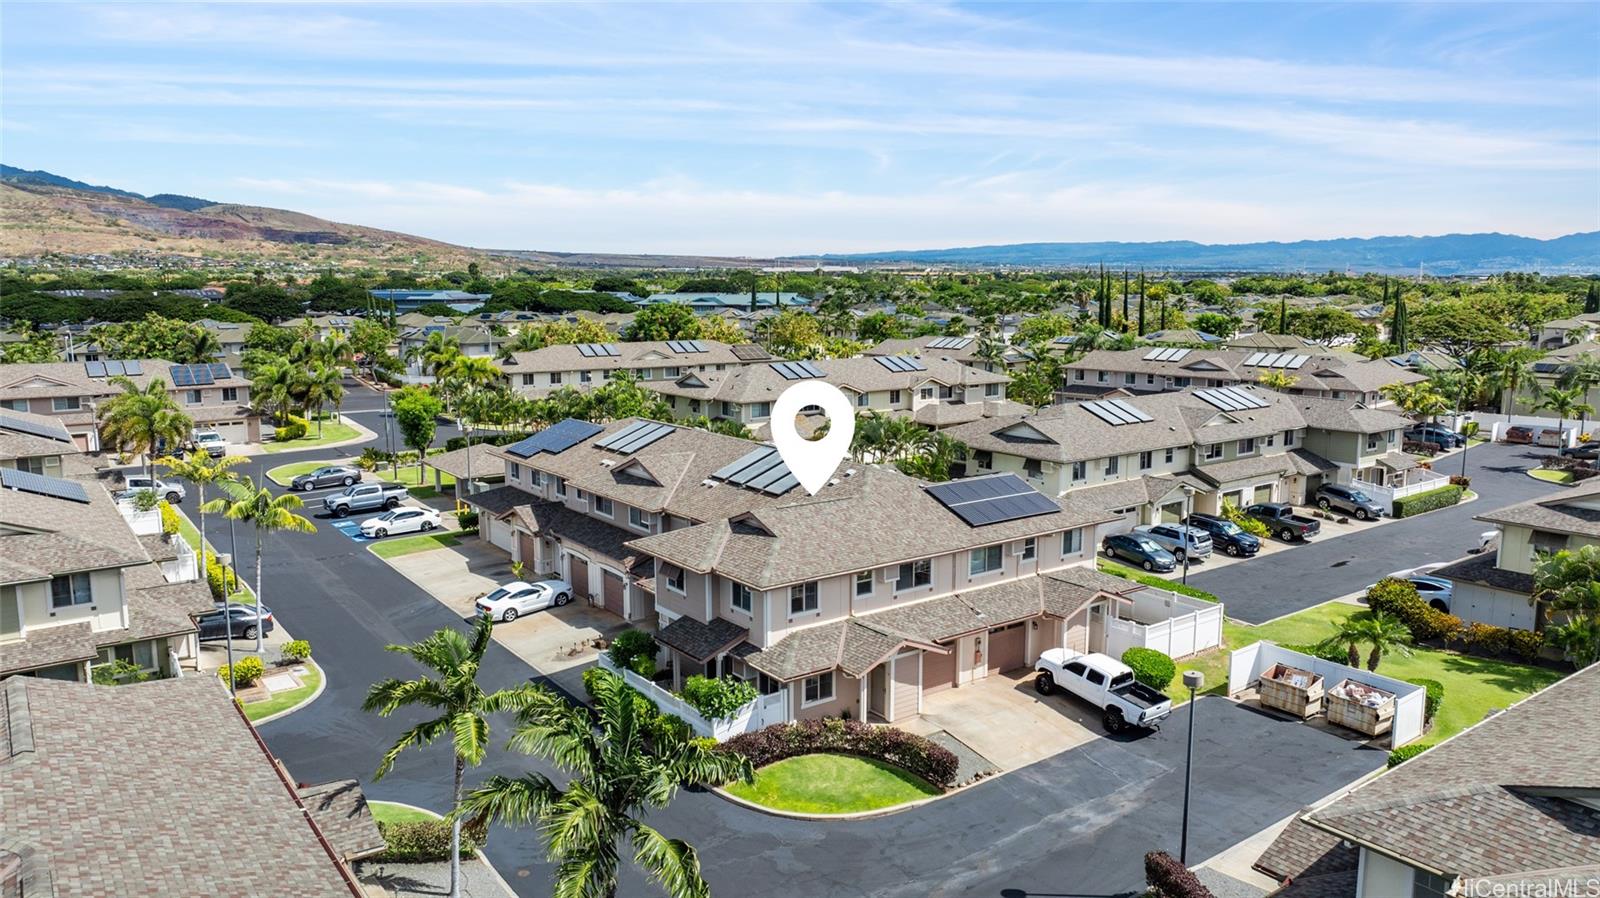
(878, 691)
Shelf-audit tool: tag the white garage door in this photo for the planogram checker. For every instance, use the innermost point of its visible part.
(232, 431)
(501, 534)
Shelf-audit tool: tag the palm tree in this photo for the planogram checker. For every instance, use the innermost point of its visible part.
(253, 504)
(436, 353)
(1513, 369)
(1566, 404)
(201, 347)
(938, 453)
(276, 388)
(464, 709)
(140, 421)
(324, 385)
(201, 469)
(1582, 374)
(1418, 400)
(617, 773)
(1281, 381)
(1382, 633)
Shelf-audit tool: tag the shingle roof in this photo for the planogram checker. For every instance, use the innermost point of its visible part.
(763, 383)
(1481, 568)
(341, 812)
(1226, 472)
(1349, 416)
(1303, 850)
(50, 379)
(485, 463)
(1573, 510)
(41, 536)
(644, 354)
(698, 640)
(50, 646)
(1323, 370)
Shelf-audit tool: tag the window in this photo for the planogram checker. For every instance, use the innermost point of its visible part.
(1372, 442)
(67, 590)
(743, 598)
(1428, 885)
(671, 371)
(761, 410)
(1071, 542)
(984, 458)
(674, 578)
(65, 404)
(983, 561)
(1080, 470)
(1247, 446)
(1169, 455)
(1030, 548)
(803, 598)
(864, 583)
(1338, 394)
(991, 389)
(527, 380)
(141, 654)
(1150, 379)
(637, 518)
(727, 410)
(894, 397)
(1147, 461)
(15, 405)
(1541, 542)
(694, 406)
(39, 465)
(1094, 676)
(1077, 374)
(1130, 378)
(516, 471)
(926, 393)
(1213, 451)
(817, 689)
(1288, 438)
(1102, 377)
(585, 377)
(230, 394)
(1112, 465)
(604, 506)
(914, 574)
(1272, 440)
(555, 378)
(561, 486)
(193, 397)
(947, 393)
(1181, 381)
(1033, 468)
(536, 477)
(581, 496)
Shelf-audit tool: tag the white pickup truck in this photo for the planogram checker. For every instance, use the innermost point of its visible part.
(1104, 682)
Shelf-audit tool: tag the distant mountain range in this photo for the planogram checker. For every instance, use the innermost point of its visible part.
(165, 200)
(1443, 255)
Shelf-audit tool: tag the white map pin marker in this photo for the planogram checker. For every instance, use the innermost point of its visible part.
(812, 462)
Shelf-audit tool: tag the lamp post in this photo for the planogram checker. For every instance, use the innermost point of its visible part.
(1193, 680)
(1188, 506)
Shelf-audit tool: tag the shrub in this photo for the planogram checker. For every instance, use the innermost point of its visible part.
(1168, 878)
(294, 429)
(1404, 753)
(245, 671)
(223, 582)
(372, 459)
(1417, 447)
(1460, 480)
(170, 524)
(1326, 652)
(1486, 638)
(145, 500)
(1128, 573)
(717, 699)
(467, 519)
(1151, 667)
(1435, 696)
(119, 672)
(929, 760)
(1432, 500)
(296, 650)
(629, 644)
(424, 841)
(1246, 523)
(1401, 599)
(1526, 644)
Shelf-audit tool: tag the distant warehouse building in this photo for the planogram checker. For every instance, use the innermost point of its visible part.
(410, 300)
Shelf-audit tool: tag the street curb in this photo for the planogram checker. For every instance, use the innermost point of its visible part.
(1530, 471)
(362, 436)
(332, 461)
(857, 815)
(321, 687)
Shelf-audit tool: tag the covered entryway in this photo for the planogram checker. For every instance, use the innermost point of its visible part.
(579, 575)
(1008, 647)
(938, 671)
(907, 685)
(611, 592)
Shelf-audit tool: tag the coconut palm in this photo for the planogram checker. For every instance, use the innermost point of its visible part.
(202, 470)
(1581, 374)
(202, 346)
(277, 388)
(142, 420)
(253, 504)
(1511, 370)
(1419, 400)
(1380, 633)
(464, 709)
(1566, 404)
(436, 354)
(324, 385)
(617, 772)
(934, 459)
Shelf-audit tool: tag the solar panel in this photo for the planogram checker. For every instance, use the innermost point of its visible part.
(1251, 400)
(901, 363)
(181, 376)
(950, 343)
(220, 371)
(992, 500)
(1128, 409)
(94, 369)
(1176, 355)
(1232, 399)
(782, 486)
(1297, 361)
(56, 488)
(686, 346)
(1255, 358)
(586, 350)
(555, 439)
(1151, 356)
(201, 374)
(635, 436)
(114, 369)
(796, 370)
(133, 368)
(49, 428)
(750, 352)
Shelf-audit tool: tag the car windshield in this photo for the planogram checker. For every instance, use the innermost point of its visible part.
(1148, 545)
(1229, 527)
(497, 595)
(1359, 496)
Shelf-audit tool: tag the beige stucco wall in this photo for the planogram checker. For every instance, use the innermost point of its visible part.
(104, 613)
(1382, 877)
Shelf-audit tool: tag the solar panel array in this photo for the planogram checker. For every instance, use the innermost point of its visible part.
(901, 363)
(54, 487)
(759, 469)
(199, 375)
(635, 436)
(992, 500)
(49, 428)
(113, 368)
(555, 439)
(598, 350)
(750, 352)
(1232, 399)
(1166, 354)
(796, 370)
(686, 346)
(1116, 412)
(1276, 360)
(950, 343)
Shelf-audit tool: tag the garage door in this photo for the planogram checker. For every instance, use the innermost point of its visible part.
(611, 592)
(1264, 493)
(938, 671)
(1172, 513)
(1008, 647)
(501, 534)
(580, 576)
(906, 684)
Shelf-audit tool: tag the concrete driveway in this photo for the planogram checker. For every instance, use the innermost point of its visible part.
(1004, 720)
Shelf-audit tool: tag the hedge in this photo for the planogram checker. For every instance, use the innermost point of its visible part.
(499, 439)
(926, 759)
(717, 699)
(1127, 573)
(1404, 753)
(1400, 598)
(1432, 500)
(425, 841)
(1168, 878)
(1435, 695)
(1325, 652)
(245, 671)
(1151, 667)
(293, 430)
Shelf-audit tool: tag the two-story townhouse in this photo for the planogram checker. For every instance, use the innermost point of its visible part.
(37, 444)
(585, 365)
(475, 342)
(966, 350)
(230, 336)
(215, 396)
(935, 392)
(1365, 443)
(1262, 340)
(1497, 587)
(1493, 810)
(1328, 375)
(79, 587)
(1547, 373)
(1565, 331)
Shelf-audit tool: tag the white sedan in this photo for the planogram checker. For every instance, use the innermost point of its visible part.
(517, 597)
(400, 520)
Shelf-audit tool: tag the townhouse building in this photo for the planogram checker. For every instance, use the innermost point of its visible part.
(966, 350)
(1323, 374)
(480, 342)
(37, 444)
(1547, 372)
(709, 538)
(583, 365)
(215, 396)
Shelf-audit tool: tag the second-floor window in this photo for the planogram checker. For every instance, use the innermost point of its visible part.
(1169, 455)
(675, 578)
(1130, 378)
(1102, 376)
(983, 561)
(603, 506)
(1032, 467)
(527, 380)
(864, 583)
(743, 598)
(1030, 549)
(1071, 542)
(193, 397)
(1080, 470)
(1288, 438)
(1112, 465)
(894, 397)
(926, 392)
(561, 486)
(1372, 441)
(862, 400)
(803, 597)
(230, 394)
(555, 378)
(65, 404)
(1541, 542)
(67, 590)
(1146, 461)
(984, 458)
(585, 377)
(914, 574)
(991, 389)
(638, 518)
(727, 410)
(516, 471)
(535, 477)
(1247, 446)
(761, 410)
(1213, 451)
(15, 405)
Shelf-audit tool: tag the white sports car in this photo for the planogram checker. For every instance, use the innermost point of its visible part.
(400, 520)
(517, 597)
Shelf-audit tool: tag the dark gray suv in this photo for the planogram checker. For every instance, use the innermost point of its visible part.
(1348, 499)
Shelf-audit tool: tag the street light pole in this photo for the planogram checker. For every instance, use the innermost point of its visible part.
(1188, 503)
(1194, 680)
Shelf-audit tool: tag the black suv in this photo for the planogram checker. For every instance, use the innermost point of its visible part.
(1349, 500)
(1226, 535)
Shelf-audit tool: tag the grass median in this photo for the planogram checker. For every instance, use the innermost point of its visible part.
(832, 784)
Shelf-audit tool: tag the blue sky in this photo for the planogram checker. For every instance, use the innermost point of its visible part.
(793, 128)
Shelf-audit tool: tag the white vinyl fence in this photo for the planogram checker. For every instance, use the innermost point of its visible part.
(1168, 622)
(759, 714)
(1419, 480)
(1493, 426)
(1246, 665)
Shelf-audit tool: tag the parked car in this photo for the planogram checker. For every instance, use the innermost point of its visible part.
(1583, 451)
(1181, 541)
(517, 597)
(1282, 522)
(210, 442)
(1141, 550)
(1436, 591)
(1518, 434)
(400, 520)
(1104, 682)
(364, 497)
(1438, 434)
(1226, 535)
(332, 475)
(1349, 500)
(172, 492)
(242, 619)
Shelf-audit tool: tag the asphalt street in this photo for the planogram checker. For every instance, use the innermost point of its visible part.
(1076, 824)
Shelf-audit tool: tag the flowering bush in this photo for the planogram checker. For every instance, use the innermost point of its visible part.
(926, 759)
(245, 671)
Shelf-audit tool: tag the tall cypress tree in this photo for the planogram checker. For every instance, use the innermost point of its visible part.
(1141, 302)
(1125, 315)
(1399, 327)
(1105, 299)
(1591, 302)
(1283, 315)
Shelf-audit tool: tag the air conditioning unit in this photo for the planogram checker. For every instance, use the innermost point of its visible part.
(1049, 467)
(889, 574)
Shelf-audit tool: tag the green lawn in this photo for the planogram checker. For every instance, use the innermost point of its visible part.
(1551, 476)
(332, 432)
(283, 701)
(410, 545)
(832, 784)
(283, 474)
(1472, 685)
(389, 812)
(191, 535)
(1159, 582)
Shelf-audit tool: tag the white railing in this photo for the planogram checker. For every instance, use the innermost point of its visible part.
(143, 523)
(1176, 625)
(764, 711)
(187, 565)
(1418, 480)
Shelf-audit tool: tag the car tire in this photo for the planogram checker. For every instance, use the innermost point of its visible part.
(1149, 565)
(1324, 504)
(379, 533)
(1044, 684)
(509, 616)
(349, 481)
(562, 599)
(1287, 535)
(1440, 606)
(342, 511)
(1232, 550)
(392, 503)
(1362, 515)
(173, 498)
(1179, 555)
(1113, 721)
(250, 632)
(426, 526)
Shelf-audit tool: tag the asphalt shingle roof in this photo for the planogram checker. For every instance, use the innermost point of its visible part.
(1574, 510)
